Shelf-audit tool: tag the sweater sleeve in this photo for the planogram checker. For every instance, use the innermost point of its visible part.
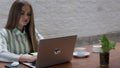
(38, 36)
(5, 55)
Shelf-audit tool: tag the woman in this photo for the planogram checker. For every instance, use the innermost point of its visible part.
(19, 36)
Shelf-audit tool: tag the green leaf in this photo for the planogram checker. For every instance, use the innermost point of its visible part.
(106, 44)
(112, 45)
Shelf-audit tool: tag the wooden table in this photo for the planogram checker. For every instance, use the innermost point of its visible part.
(90, 62)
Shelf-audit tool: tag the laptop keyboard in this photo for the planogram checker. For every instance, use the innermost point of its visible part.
(34, 63)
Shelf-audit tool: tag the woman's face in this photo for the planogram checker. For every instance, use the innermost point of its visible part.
(25, 16)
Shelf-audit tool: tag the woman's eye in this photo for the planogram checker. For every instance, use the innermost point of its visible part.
(28, 14)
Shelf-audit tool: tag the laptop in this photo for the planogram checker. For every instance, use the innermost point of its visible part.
(55, 51)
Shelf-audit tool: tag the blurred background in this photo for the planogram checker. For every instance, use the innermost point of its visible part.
(89, 19)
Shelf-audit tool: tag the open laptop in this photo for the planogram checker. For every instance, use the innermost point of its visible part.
(55, 51)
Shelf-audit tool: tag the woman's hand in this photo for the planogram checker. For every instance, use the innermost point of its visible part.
(26, 58)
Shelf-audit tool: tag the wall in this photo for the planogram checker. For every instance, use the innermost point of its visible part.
(86, 18)
(81, 17)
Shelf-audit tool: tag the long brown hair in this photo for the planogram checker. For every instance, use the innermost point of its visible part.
(14, 17)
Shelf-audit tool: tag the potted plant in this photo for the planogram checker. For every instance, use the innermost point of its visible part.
(107, 45)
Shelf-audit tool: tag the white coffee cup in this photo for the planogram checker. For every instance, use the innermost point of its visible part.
(80, 49)
(97, 48)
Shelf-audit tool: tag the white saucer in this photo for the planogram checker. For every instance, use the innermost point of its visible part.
(81, 54)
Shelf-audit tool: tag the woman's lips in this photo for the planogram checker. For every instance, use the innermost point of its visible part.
(25, 20)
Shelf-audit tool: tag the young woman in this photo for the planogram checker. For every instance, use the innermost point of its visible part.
(19, 36)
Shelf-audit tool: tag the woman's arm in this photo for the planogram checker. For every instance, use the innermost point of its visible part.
(7, 56)
(26, 58)
(38, 36)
